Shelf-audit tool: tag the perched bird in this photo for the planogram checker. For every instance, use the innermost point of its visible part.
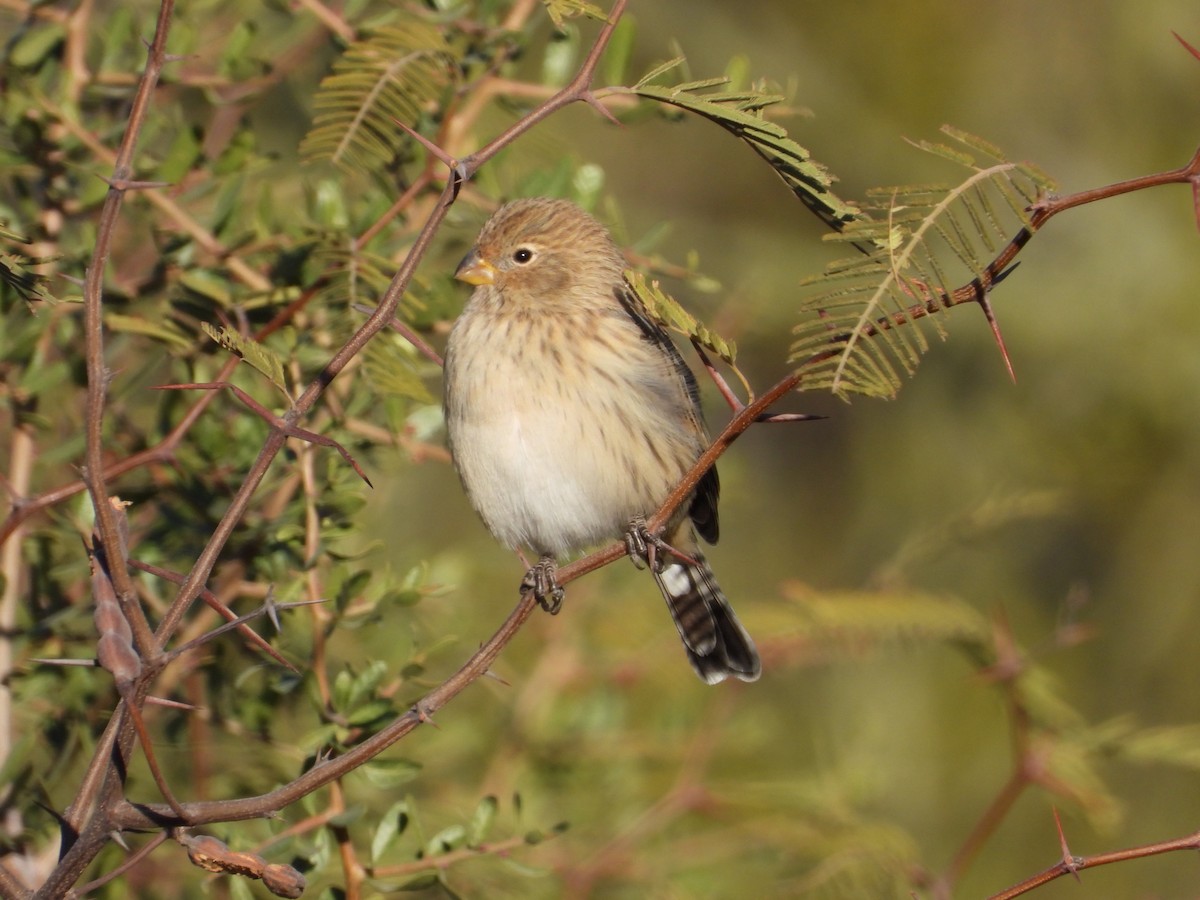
(570, 414)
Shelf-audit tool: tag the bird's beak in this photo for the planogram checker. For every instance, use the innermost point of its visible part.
(474, 269)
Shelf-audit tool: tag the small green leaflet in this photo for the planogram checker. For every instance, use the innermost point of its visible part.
(667, 312)
(561, 10)
(258, 356)
(741, 113)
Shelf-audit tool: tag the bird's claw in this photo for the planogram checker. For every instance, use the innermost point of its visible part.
(540, 579)
(643, 547)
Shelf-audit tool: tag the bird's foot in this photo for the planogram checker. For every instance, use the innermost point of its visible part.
(541, 581)
(643, 547)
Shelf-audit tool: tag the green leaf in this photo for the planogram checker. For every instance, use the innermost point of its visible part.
(481, 820)
(161, 330)
(15, 274)
(845, 624)
(391, 825)
(36, 44)
(560, 56)
(207, 284)
(181, 156)
(257, 355)
(449, 838)
(1176, 745)
(393, 370)
(371, 711)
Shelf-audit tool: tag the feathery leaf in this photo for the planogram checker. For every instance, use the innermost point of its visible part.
(390, 76)
(741, 113)
(862, 328)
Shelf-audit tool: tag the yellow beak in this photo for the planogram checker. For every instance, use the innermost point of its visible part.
(474, 269)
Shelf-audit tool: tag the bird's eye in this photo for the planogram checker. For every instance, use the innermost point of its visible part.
(522, 255)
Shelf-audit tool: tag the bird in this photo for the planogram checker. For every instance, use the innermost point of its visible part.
(570, 416)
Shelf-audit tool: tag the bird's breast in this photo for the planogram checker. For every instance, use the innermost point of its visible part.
(559, 427)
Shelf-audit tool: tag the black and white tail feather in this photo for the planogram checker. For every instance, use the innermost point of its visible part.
(716, 643)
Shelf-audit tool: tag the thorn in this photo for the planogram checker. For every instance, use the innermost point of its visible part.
(492, 675)
(1004, 274)
(172, 704)
(66, 662)
(731, 398)
(423, 717)
(774, 418)
(434, 150)
(460, 175)
(1070, 861)
(271, 609)
(1190, 49)
(990, 315)
(119, 840)
(594, 102)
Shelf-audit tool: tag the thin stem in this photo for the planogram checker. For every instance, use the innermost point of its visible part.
(1079, 863)
(97, 372)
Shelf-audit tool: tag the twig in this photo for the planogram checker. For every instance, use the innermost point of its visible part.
(446, 860)
(1077, 864)
(126, 815)
(104, 779)
(277, 422)
(97, 372)
(163, 451)
(141, 853)
(210, 599)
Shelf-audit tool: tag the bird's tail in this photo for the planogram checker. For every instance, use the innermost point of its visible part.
(716, 643)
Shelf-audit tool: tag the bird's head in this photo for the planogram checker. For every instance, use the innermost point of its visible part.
(543, 249)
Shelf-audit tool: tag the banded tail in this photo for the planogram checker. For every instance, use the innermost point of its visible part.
(716, 643)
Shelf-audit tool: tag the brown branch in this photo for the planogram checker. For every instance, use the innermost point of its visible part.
(1077, 864)
(163, 451)
(211, 600)
(97, 371)
(10, 888)
(976, 291)
(276, 422)
(126, 815)
(105, 776)
(1026, 767)
(136, 857)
